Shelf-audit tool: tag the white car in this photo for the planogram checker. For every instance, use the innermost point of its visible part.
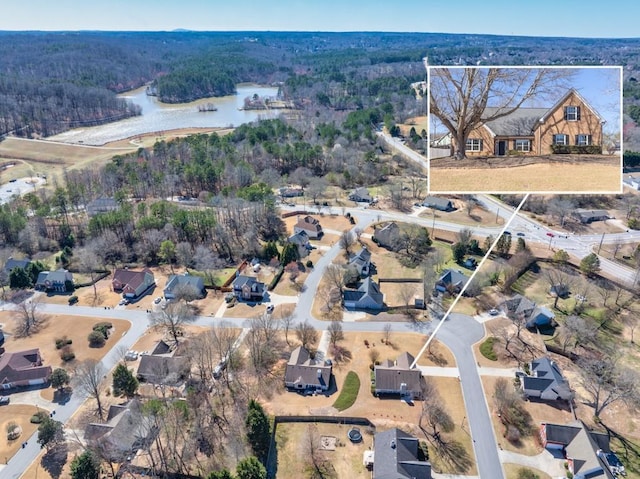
(157, 300)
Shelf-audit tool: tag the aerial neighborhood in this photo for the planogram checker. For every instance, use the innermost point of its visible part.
(287, 292)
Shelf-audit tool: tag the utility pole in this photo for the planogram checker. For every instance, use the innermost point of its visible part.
(600, 245)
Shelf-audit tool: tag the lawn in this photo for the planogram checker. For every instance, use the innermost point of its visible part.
(20, 414)
(349, 392)
(512, 470)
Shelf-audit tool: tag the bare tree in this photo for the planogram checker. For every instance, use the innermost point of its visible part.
(28, 318)
(561, 280)
(336, 333)
(319, 465)
(286, 320)
(577, 331)
(607, 382)
(88, 262)
(346, 241)
(386, 332)
(87, 379)
(335, 276)
(172, 318)
(459, 97)
(306, 334)
(559, 208)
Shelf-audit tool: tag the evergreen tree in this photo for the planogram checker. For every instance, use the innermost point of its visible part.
(250, 468)
(19, 279)
(59, 378)
(124, 382)
(85, 466)
(289, 254)
(258, 430)
(49, 432)
(223, 474)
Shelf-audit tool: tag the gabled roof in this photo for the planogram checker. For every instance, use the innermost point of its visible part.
(301, 369)
(362, 193)
(242, 281)
(547, 380)
(369, 288)
(300, 238)
(130, 278)
(58, 276)
(16, 263)
(396, 457)
(519, 305)
(309, 223)
(437, 202)
(390, 376)
(571, 91)
(101, 205)
(22, 366)
(178, 280)
(361, 259)
(457, 278)
(163, 369)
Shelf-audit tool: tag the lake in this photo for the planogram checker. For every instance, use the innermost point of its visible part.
(157, 116)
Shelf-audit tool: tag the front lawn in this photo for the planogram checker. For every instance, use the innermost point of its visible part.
(349, 392)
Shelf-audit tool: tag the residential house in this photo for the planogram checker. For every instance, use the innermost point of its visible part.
(437, 203)
(132, 284)
(441, 140)
(310, 225)
(101, 205)
(398, 377)
(361, 195)
(290, 192)
(301, 240)
(23, 368)
(545, 381)
(11, 264)
(451, 281)
(632, 180)
(163, 369)
(520, 308)
(59, 281)
(179, 284)
(569, 123)
(125, 431)
(397, 455)
(248, 288)
(388, 236)
(303, 373)
(580, 448)
(367, 296)
(589, 216)
(361, 261)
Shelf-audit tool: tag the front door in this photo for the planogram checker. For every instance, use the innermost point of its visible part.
(502, 148)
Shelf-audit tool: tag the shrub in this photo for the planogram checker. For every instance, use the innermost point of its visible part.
(38, 417)
(62, 342)
(309, 264)
(512, 435)
(13, 431)
(486, 348)
(96, 339)
(67, 354)
(524, 473)
(634, 223)
(577, 149)
(103, 328)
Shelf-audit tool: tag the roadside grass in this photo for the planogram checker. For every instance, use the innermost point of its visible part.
(513, 471)
(486, 348)
(349, 392)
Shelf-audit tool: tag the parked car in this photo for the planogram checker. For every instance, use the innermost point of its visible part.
(520, 234)
(157, 300)
(494, 312)
(220, 367)
(4, 400)
(270, 308)
(550, 234)
(507, 233)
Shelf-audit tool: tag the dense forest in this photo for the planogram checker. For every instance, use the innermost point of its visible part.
(50, 82)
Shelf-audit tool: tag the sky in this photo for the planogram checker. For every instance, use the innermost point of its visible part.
(573, 18)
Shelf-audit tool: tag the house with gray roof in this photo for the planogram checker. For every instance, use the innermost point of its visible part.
(451, 281)
(304, 373)
(301, 240)
(367, 296)
(589, 216)
(125, 431)
(11, 264)
(398, 377)
(101, 205)
(545, 381)
(438, 203)
(361, 195)
(397, 455)
(132, 284)
(388, 236)
(580, 447)
(163, 369)
(570, 125)
(248, 288)
(59, 281)
(520, 308)
(361, 261)
(181, 284)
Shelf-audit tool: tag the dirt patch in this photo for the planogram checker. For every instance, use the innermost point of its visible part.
(20, 414)
(542, 177)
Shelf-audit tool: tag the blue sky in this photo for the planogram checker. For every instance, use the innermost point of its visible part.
(576, 18)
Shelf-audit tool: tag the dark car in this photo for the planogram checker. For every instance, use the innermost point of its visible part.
(520, 234)
(507, 233)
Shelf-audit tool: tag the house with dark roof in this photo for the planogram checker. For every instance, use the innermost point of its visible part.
(438, 203)
(59, 281)
(520, 308)
(163, 369)
(570, 123)
(125, 431)
(23, 368)
(589, 216)
(361, 261)
(397, 455)
(11, 264)
(101, 205)
(451, 281)
(398, 377)
(132, 284)
(367, 296)
(545, 381)
(304, 373)
(179, 284)
(248, 288)
(310, 225)
(388, 236)
(301, 240)
(361, 195)
(580, 448)
(290, 192)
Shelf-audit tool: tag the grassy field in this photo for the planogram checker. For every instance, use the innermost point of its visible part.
(540, 177)
(349, 392)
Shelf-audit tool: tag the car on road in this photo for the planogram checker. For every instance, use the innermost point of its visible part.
(520, 234)
(550, 234)
(4, 400)
(123, 302)
(220, 367)
(494, 312)
(508, 233)
(270, 308)
(157, 300)
(13, 180)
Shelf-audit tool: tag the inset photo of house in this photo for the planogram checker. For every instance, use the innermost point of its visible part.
(525, 130)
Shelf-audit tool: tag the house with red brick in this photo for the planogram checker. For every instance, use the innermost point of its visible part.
(23, 368)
